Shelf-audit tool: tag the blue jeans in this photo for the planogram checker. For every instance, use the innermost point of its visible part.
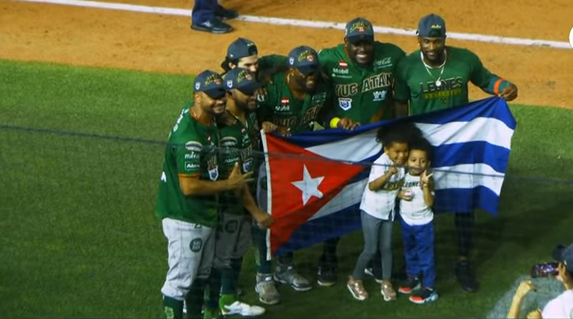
(418, 244)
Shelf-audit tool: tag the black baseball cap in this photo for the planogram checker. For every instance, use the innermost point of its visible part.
(359, 30)
(564, 255)
(304, 59)
(242, 80)
(241, 48)
(432, 26)
(210, 83)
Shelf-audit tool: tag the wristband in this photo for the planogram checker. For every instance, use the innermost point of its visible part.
(334, 122)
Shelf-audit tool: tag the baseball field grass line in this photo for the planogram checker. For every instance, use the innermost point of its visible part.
(79, 239)
(309, 23)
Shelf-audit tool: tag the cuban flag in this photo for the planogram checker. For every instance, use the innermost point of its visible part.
(315, 180)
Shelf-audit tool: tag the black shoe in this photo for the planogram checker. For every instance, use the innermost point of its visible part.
(465, 278)
(327, 274)
(214, 26)
(226, 14)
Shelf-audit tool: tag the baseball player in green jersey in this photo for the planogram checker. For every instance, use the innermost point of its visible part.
(243, 53)
(436, 77)
(234, 232)
(293, 100)
(361, 72)
(188, 193)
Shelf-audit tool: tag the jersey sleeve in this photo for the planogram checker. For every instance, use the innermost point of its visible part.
(479, 76)
(401, 89)
(188, 157)
(264, 106)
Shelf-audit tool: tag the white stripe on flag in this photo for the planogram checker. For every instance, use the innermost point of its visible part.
(468, 176)
(490, 130)
(464, 176)
(353, 149)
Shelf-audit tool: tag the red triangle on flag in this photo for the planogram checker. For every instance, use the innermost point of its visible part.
(301, 182)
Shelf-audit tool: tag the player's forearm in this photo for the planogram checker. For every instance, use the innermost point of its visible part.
(495, 85)
(197, 187)
(400, 108)
(249, 202)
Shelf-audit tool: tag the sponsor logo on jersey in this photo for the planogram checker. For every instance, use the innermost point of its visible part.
(284, 106)
(340, 71)
(285, 101)
(194, 146)
(342, 64)
(193, 155)
(386, 62)
(345, 103)
(190, 166)
(228, 141)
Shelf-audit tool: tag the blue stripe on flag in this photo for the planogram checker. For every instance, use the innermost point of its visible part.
(471, 153)
(494, 108)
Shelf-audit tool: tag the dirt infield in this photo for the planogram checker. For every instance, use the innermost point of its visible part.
(160, 43)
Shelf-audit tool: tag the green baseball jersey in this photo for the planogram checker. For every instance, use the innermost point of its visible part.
(280, 107)
(236, 146)
(192, 151)
(272, 61)
(432, 89)
(362, 92)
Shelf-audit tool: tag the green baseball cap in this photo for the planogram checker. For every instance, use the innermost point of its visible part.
(359, 29)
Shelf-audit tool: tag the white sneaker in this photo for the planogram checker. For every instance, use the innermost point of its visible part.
(242, 309)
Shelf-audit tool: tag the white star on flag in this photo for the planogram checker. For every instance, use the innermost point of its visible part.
(309, 186)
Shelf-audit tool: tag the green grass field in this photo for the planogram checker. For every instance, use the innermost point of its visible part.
(78, 235)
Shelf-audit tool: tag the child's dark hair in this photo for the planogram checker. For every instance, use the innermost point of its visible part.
(401, 132)
(423, 144)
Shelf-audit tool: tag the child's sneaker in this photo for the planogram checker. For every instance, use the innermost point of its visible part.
(409, 285)
(424, 296)
(356, 288)
(388, 291)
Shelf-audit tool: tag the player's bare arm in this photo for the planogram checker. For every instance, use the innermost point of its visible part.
(379, 183)
(263, 218)
(192, 185)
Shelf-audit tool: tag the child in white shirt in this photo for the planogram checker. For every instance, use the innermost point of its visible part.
(378, 205)
(416, 200)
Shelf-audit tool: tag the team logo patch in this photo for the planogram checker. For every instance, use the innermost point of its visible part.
(213, 168)
(197, 86)
(291, 60)
(345, 103)
(248, 165)
(196, 245)
(231, 226)
(230, 84)
(194, 146)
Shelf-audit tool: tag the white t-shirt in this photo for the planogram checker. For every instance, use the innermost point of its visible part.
(381, 203)
(415, 212)
(560, 307)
